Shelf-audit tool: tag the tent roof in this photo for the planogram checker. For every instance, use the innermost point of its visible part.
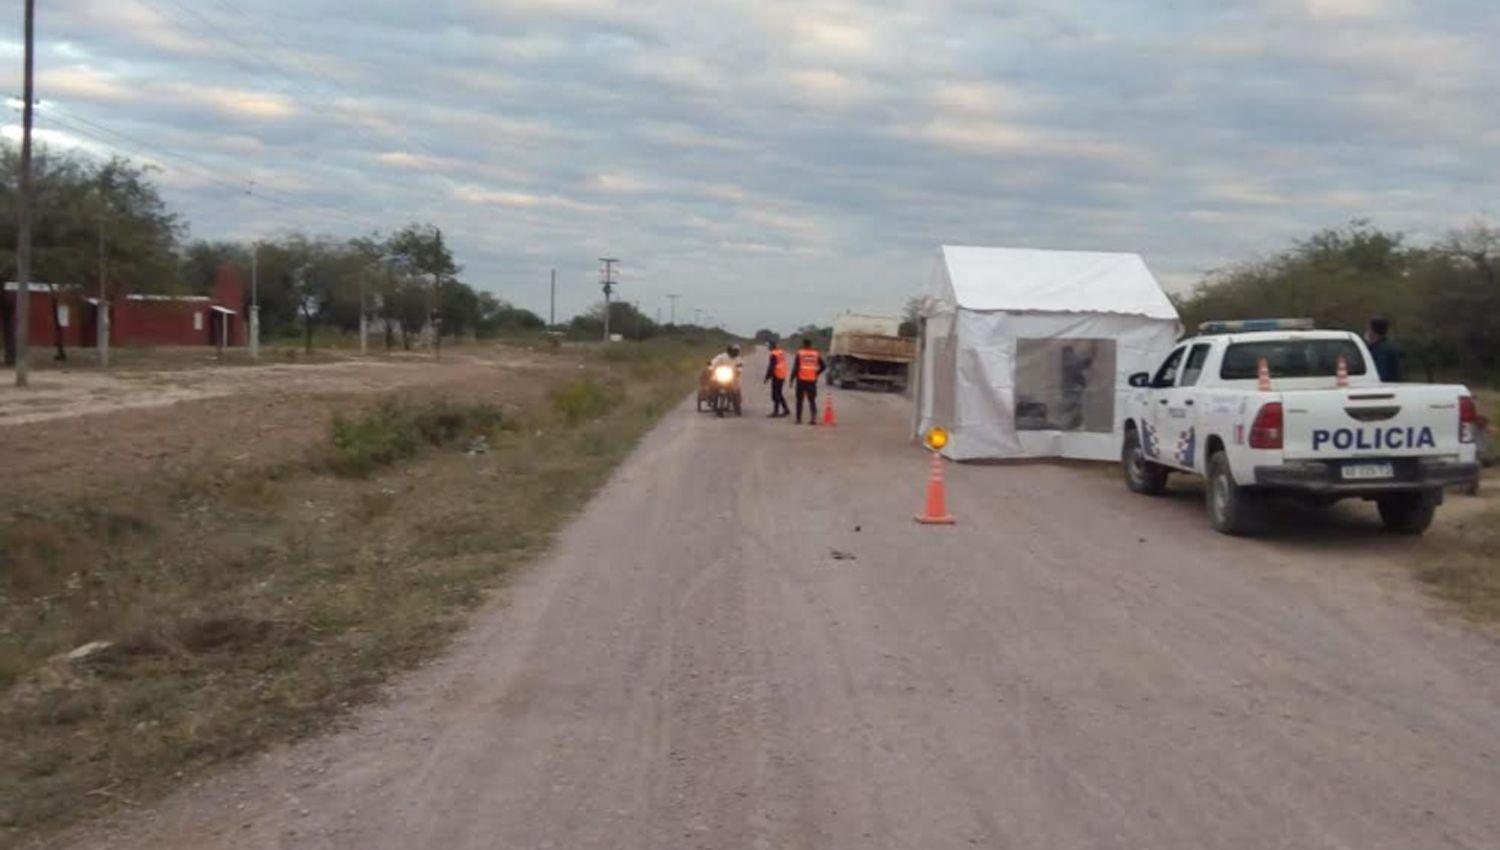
(1026, 279)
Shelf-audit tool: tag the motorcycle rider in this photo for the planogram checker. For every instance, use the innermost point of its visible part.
(778, 369)
(730, 357)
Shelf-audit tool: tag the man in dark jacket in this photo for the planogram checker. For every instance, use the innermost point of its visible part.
(778, 369)
(1384, 353)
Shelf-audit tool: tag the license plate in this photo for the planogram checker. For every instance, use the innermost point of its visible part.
(1366, 471)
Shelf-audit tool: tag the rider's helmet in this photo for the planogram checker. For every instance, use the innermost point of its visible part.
(734, 350)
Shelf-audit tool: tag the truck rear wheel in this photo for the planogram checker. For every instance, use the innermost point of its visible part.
(1141, 475)
(1232, 509)
(1407, 513)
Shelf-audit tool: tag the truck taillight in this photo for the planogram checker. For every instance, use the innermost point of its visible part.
(1265, 432)
(1468, 419)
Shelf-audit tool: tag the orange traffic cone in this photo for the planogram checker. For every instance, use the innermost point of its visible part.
(936, 512)
(1343, 372)
(828, 417)
(1263, 375)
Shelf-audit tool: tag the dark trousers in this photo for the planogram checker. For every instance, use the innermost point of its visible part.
(778, 397)
(807, 390)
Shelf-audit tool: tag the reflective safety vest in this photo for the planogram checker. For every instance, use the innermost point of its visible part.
(779, 368)
(807, 364)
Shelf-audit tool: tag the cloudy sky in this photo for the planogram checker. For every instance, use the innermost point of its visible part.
(776, 160)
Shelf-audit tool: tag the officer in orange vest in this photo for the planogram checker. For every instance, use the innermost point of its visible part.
(809, 366)
(778, 369)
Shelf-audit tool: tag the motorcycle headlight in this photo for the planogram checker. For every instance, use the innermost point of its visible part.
(724, 374)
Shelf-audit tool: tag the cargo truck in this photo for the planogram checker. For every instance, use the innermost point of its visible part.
(869, 351)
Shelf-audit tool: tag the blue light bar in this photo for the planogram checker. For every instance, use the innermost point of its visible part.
(1237, 326)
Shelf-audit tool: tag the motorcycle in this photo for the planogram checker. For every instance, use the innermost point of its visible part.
(724, 390)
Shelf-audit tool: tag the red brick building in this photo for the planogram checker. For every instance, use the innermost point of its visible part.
(140, 319)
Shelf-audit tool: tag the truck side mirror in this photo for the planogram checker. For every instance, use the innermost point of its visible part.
(1140, 379)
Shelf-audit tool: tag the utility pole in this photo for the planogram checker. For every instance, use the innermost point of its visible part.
(255, 301)
(673, 298)
(23, 216)
(609, 287)
(437, 301)
(552, 308)
(364, 348)
(101, 312)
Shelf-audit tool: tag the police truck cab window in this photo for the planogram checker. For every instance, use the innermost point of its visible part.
(1291, 358)
(1166, 376)
(1194, 366)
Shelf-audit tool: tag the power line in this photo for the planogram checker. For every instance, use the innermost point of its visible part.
(313, 101)
(112, 138)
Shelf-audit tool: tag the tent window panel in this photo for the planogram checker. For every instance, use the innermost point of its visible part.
(1065, 385)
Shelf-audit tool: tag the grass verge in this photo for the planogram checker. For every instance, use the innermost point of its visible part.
(230, 611)
(1461, 565)
(1464, 568)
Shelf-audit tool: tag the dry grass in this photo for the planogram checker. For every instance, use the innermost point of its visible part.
(246, 608)
(1460, 562)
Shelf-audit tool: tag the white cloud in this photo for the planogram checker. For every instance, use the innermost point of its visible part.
(821, 141)
(234, 102)
(683, 135)
(416, 162)
(820, 35)
(81, 82)
(992, 138)
(983, 97)
(829, 88)
(1345, 9)
(620, 183)
(516, 199)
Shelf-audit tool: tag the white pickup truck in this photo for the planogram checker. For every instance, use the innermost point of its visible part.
(1299, 429)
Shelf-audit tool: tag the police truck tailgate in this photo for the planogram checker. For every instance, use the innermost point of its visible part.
(1386, 421)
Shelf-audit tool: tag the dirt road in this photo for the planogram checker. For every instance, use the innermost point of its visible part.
(1070, 667)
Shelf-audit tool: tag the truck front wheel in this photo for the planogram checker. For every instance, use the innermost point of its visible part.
(1407, 513)
(1141, 475)
(1232, 509)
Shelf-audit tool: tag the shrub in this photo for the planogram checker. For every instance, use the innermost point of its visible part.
(582, 399)
(392, 431)
(443, 423)
(377, 438)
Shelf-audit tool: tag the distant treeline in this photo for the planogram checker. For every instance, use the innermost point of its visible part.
(1442, 299)
(91, 217)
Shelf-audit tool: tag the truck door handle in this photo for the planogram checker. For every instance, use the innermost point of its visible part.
(1189, 402)
(1163, 401)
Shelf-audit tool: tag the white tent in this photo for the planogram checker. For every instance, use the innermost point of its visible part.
(1027, 353)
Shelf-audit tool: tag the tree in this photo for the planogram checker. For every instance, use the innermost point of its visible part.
(408, 300)
(419, 250)
(911, 316)
(624, 319)
(1461, 277)
(201, 260)
(75, 202)
(1442, 300)
(765, 336)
